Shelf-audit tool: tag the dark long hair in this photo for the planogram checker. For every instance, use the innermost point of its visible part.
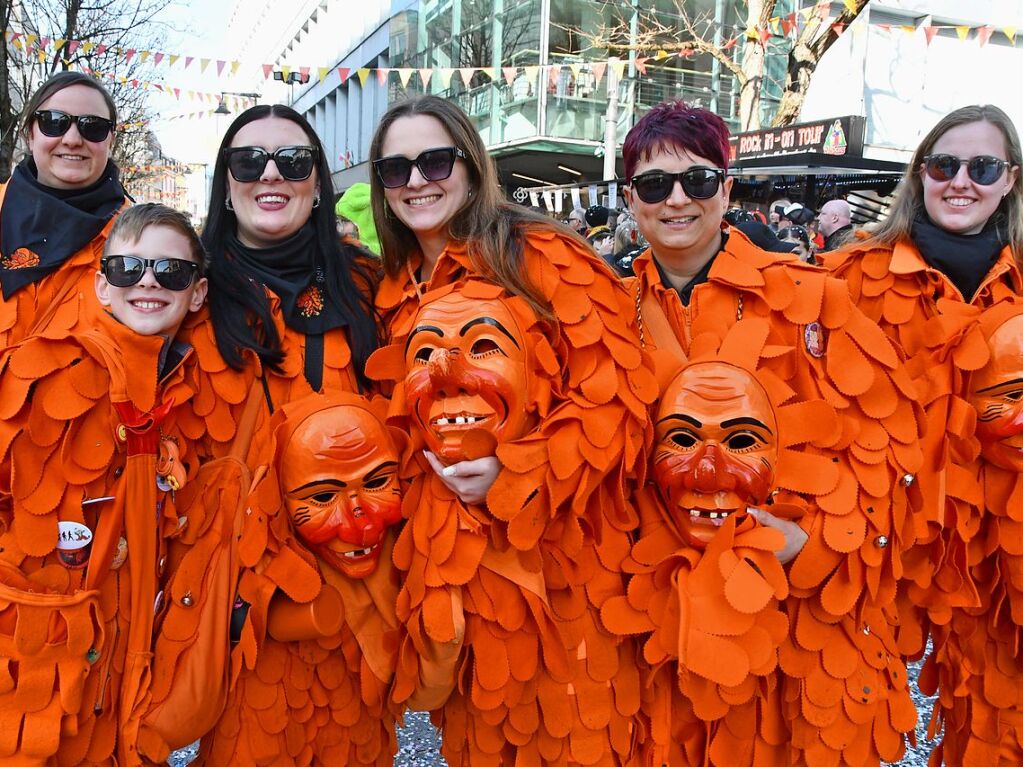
(239, 306)
(492, 227)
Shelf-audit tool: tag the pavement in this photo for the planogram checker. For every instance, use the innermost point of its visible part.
(419, 743)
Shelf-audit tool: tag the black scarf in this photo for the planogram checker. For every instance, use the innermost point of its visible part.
(41, 227)
(963, 258)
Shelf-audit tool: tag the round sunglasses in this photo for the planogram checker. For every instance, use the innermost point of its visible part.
(983, 169)
(434, 165)
(698, 182)
(171, 273)
(247, 163)
(54, 123)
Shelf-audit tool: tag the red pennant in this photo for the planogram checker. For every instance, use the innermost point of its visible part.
(101, 48)
(267, 71)
(729, 44)
(788, 24)
(687, 53)
(641, 64)
(177, 93)
(838, 28)
(345, 73)
(930, 32)
(984, 34)
(885, 27)
(44, 42)
(72, 46)
(382, 73)
(304, 71)
(764, 34)
(189, 60)
(157, 58)
(220, 66)
(129, 53)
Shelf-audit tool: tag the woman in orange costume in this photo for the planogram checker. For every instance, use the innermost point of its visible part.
(550, 504)
(948, 249)
(291, 306)
(90, 463)
(57, 209)
(841, 687)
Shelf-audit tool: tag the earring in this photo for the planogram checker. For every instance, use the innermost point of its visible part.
(228, 204)
(316, 201)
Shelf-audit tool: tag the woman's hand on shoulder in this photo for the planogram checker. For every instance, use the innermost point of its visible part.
(795, 536)
(469, 480)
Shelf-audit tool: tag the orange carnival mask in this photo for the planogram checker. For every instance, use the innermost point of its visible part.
(717, 446)
(338, 473)
(466, 363)
(997, 395)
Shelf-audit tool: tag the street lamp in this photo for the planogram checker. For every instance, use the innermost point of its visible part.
(222, 106)
(291, 78)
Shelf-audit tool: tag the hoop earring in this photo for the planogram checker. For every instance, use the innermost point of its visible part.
(228, 204)
(316, 202)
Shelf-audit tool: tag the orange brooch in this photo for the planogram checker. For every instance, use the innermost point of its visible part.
(22, 258)
(310, 301)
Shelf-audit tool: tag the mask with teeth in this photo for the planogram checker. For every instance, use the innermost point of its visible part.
(717, 446)
(997, 395)
(338, 473)
(467, 370)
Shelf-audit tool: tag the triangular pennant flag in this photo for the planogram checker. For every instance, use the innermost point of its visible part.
(129, 53)
(267, 71)
(553, 71)
(321, 73)
(144, 56)
(788, 24)
(574, 69)
(382, 73)
(220, 67)
(30, 40)
(58, 44)
(172, 59)
(885, 27)
(177, 94)
(304, 71)
(72, 46)
(363, 73)
(598, 68)
(850, 5)
(775, 24)
(838, 28)
(425, 74)
(619, 68)
(41, 54)
(344, 73)
(730, 43)
(188, 60)
(9, 35)
(404, 75)
(100, 49)
(661, 55)
(806, 13)
(984, 34)
(44, 42)
(908, 29)
(234, 67)
(444, 74)
(203, 63)
(765, 35)
(532, 73)
(467, 73)
(640, 67)
(490, 72)
(157, 58)
(1010, 32)
(962, 32)
(509, 74)
(285, 73)
(930, 32)
(687, 53)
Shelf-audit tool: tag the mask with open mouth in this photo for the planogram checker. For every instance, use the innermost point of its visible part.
(996, 392)
(467, 370)
(717, 446)
(338, 473)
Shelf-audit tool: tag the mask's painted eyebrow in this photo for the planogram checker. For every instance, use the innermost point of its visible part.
(423, 329)
(682, 417)
(1013, 382)
(487, 321)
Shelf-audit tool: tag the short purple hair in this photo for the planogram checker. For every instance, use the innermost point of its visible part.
(676, 125)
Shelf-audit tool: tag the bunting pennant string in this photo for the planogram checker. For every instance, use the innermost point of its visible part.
(43, 48)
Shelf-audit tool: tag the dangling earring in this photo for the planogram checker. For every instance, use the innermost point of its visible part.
(316, 201)
(228, 204)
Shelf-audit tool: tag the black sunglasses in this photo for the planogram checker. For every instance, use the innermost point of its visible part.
(434, 165)
(54, 123)
(247, 163)
(125, 271)
(698, 182)
(983, 169)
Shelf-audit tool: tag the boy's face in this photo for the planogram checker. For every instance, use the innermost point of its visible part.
(146, 307)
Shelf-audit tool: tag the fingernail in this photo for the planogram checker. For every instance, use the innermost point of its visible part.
(448, 471)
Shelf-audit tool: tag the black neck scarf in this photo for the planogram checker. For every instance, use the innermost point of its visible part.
(292, 271)
(41, 227)
(964, 258)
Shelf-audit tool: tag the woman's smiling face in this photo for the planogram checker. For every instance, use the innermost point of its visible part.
(271, 209)
(425, 207)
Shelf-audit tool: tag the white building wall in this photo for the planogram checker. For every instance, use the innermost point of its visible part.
(903, 85)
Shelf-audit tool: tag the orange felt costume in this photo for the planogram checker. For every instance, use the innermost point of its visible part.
(318, 532)
(59, 303)
(842, 685)
(82, 423)
(975, 665)
(278, 683)
(539, 680)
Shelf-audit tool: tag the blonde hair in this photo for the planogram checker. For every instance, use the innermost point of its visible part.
(909, 202)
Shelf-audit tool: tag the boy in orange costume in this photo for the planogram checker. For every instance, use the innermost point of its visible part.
(318, 542)
(475, 373)
(842, 684)
(89, 467)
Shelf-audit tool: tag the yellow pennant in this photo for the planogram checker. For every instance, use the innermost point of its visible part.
(363, 76)
(962, 32)
(1010, 32)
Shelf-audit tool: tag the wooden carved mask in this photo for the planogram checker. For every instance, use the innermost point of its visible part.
(717, 446)
(996, 391)
(338, 473)
(467, 369)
